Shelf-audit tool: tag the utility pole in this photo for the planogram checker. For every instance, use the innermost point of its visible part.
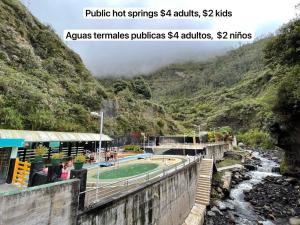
(199, 134)
(100, 140)
(99, 152)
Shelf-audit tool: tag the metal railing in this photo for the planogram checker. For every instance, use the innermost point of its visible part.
(191, 145)
(93, 195)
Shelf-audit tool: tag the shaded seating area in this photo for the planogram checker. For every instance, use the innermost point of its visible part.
(67, 144)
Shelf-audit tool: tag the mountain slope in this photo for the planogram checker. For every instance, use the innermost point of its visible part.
(236, 89)
(45, 86)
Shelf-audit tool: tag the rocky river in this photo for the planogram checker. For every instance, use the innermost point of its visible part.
(258, 196)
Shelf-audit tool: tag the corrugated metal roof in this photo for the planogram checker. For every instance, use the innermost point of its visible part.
(46, 136)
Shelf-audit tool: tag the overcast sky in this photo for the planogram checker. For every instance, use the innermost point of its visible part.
(129, 58)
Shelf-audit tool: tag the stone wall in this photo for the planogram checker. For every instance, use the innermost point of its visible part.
(50, 204)
(163, 201)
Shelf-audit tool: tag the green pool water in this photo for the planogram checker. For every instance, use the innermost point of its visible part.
(127, 171)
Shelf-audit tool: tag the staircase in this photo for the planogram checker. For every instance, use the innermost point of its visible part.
(197, 214)
(204, 182)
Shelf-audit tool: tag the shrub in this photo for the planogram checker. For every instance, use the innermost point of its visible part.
(139, 86)
(120, 85)
(284, 166)
(284, 48)
(257, 138)
(40, 150)
(135, 148)
(80, 158)
(57, 155)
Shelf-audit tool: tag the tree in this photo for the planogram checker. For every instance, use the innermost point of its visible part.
(10, 119)
(42, 119)
(120, 85)
(139, 86)
(285, 47)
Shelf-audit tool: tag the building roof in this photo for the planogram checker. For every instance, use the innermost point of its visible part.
(47, 136)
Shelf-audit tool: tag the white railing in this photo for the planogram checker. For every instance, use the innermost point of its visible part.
(94, 195)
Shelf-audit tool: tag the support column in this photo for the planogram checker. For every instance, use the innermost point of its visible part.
(12, 160)
(82, 176)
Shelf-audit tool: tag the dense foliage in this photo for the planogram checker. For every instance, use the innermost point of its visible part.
(285, 47)
(287, 105)
(45, 86)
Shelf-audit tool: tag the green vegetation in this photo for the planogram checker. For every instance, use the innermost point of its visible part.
(228, 162)
(80, 158)
(45, 86)
(284, 49)
(57, 155)
(40, 150)
(250, 90)
(287, 104)
(127, 171)
(257, 138)
(236, 90)
(284, 166)
(221, 134)
(134, 148)
(218, 176)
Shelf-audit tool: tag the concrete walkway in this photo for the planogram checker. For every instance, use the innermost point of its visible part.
(197, 214)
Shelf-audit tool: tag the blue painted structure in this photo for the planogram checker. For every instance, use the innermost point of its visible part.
(12, 143)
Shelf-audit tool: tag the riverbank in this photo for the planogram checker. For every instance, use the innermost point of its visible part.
(276, 198)
(256, 182)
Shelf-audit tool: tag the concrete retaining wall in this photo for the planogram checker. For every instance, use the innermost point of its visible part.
(216, 151)
(50, 204)
(164, 201)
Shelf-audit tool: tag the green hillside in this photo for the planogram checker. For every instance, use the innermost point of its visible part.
(236, 89)
(45, 86)
(241, 89)
(254, 89)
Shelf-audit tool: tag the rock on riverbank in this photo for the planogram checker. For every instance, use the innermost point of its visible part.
(275, 197)
(220, 213)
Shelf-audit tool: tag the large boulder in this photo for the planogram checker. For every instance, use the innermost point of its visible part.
(276, 169)
(250, 167)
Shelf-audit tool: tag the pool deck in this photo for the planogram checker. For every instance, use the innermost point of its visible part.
(120, 160)
(162, 161)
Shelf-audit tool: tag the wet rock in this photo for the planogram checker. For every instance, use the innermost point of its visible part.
(275, 197)
(292, 180)
(221, 205)
(219, 190)
(276, 169)
(231, 218)
(247, 177)
(209, 222)
(216, 210)
(250, 167)
(211, 213)
(271, 217)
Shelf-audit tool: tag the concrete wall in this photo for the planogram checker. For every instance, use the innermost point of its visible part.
(216, 151)
(50, 204)
(164, 201)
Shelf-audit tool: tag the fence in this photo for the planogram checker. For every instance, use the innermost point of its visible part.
(95, 194)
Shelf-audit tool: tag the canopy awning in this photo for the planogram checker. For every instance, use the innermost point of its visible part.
(47, 136)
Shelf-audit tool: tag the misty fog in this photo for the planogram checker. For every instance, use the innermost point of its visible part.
(131, 58)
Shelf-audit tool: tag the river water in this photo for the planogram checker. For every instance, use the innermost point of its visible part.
(243, 209)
